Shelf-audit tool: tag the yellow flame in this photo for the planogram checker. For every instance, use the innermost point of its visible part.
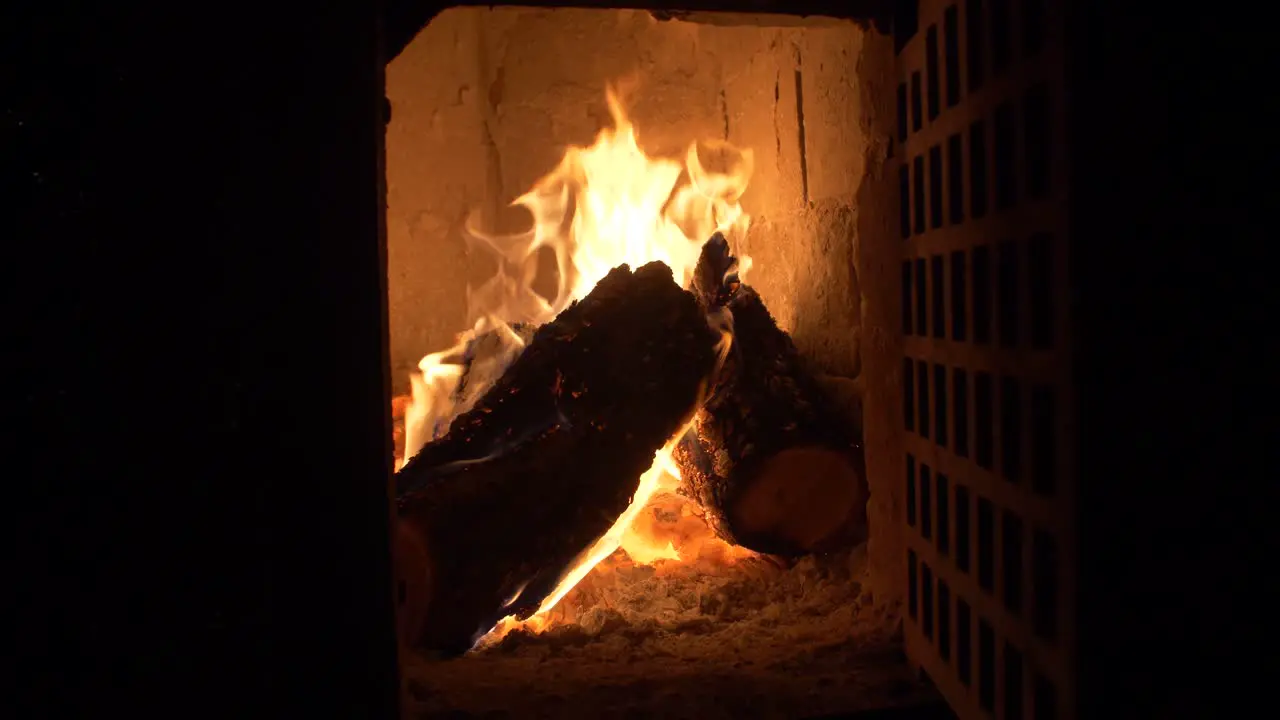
(603, 206)
(650, 482)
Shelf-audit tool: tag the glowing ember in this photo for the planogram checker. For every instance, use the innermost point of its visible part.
(604, 206)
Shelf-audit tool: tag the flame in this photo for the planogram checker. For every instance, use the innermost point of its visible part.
(601, 207)
(612, 539)
(639, 544)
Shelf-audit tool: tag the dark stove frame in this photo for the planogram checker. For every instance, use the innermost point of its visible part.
(202, 252)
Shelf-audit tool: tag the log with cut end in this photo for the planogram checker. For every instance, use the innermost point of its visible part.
(773, 463)
(498, 509)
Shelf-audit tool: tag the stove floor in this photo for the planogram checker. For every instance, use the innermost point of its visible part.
(685, 640)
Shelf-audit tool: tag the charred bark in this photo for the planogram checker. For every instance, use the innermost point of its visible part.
(488, 354)
(550, 456)
(772, 462)
(483, 359)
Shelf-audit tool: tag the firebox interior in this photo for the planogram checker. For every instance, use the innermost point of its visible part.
(484, 103)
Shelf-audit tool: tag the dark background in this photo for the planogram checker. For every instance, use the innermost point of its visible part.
(196, 294)
(195, 368)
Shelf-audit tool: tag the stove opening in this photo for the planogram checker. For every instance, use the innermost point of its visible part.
(625, 321)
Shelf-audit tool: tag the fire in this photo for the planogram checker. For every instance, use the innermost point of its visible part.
(603, 206)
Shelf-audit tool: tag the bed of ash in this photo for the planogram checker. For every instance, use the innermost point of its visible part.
(718, 633)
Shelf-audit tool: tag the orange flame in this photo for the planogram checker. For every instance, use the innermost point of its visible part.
(603, 206)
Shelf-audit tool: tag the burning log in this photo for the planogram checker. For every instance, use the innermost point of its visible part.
(774, 465)
(478, 363)
(497, 510)
(486, 356)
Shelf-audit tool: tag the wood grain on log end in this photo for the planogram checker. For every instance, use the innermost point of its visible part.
(802, 497)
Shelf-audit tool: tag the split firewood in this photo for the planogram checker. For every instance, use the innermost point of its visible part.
(482, 359)
(495, 512)
(486, 356)
(774, 465)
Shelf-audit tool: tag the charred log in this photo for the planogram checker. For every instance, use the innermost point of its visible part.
(550, 456)
(487, 355)
(773, 463)
(483, 359)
